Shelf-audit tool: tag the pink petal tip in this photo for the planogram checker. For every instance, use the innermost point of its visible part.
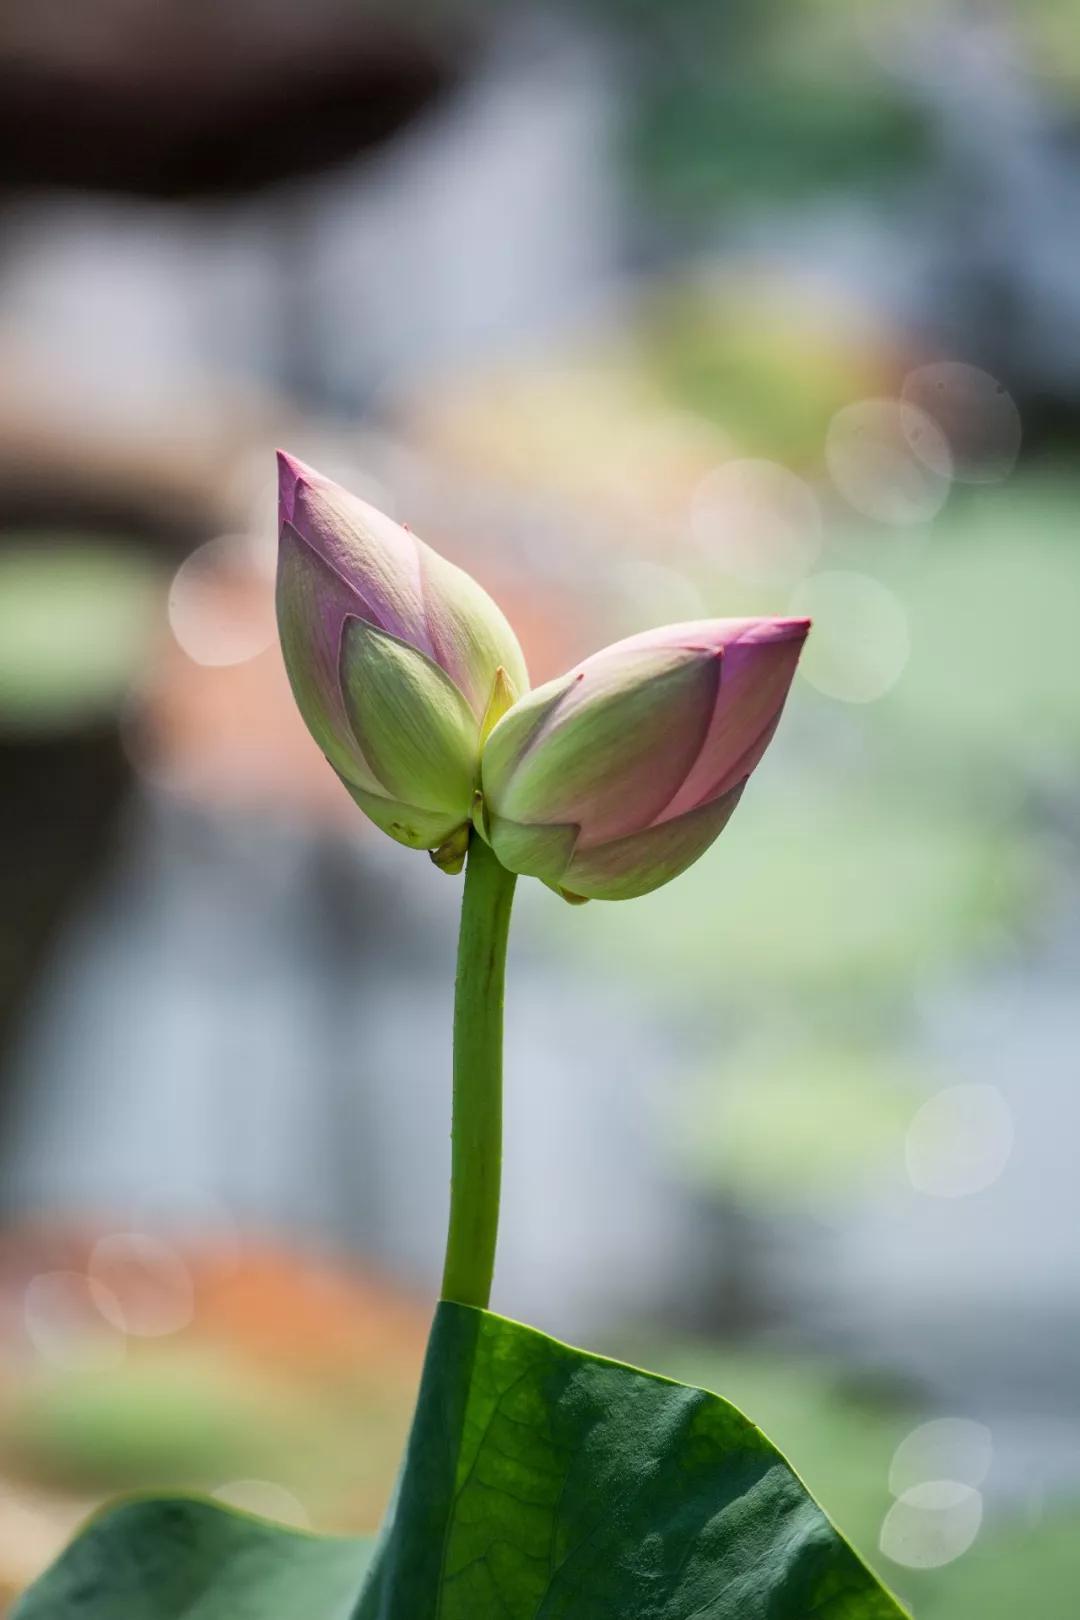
(292, 473)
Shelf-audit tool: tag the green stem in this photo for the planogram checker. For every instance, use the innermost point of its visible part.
(477, 1129)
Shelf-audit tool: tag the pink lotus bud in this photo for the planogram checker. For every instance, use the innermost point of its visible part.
(614, 778)
(398, 660)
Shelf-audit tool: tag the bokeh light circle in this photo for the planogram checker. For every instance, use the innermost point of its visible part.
(266, 1500)
(653, 593)
(221, 603)
(959, 1141)
(70, 1320)
(188, 1217)
(945, 1448)
(757, 521)
(931, 1524)
(859, 643)
(147, 1288)
(890, 461)
(976, 413)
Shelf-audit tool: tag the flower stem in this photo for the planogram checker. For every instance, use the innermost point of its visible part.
(477, 1128)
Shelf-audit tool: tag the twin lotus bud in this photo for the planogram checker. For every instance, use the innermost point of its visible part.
(604, 783)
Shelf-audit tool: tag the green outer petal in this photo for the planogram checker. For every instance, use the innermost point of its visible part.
(415, 729)
(626, 868)
(186, 1559)
(407, 823)
(540, 852)
(514, 734)
(617, 746)
(544, 1483)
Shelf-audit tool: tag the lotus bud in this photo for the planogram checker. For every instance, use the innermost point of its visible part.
(399, 662)
(614, 778)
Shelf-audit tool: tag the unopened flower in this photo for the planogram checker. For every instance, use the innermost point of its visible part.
(398, 660)
(614, 778)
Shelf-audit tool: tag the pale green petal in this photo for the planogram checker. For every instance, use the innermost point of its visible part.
(419, 829)
(540, 852)
(518, 729)
(415, 729)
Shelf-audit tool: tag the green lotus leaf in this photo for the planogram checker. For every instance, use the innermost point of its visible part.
(163, 1560)
(540, 1483)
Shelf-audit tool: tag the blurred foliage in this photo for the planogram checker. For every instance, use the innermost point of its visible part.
(750, 103)
(76, 617)
(705, 147)
(176, 1419)
(623, 420)
(895, 894)
(993, 601)
(815, 1121)
(293, 1373)
(755, 102)
(1049, 29)
(1008, 1565)
(761, 357)
(193, 1416)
